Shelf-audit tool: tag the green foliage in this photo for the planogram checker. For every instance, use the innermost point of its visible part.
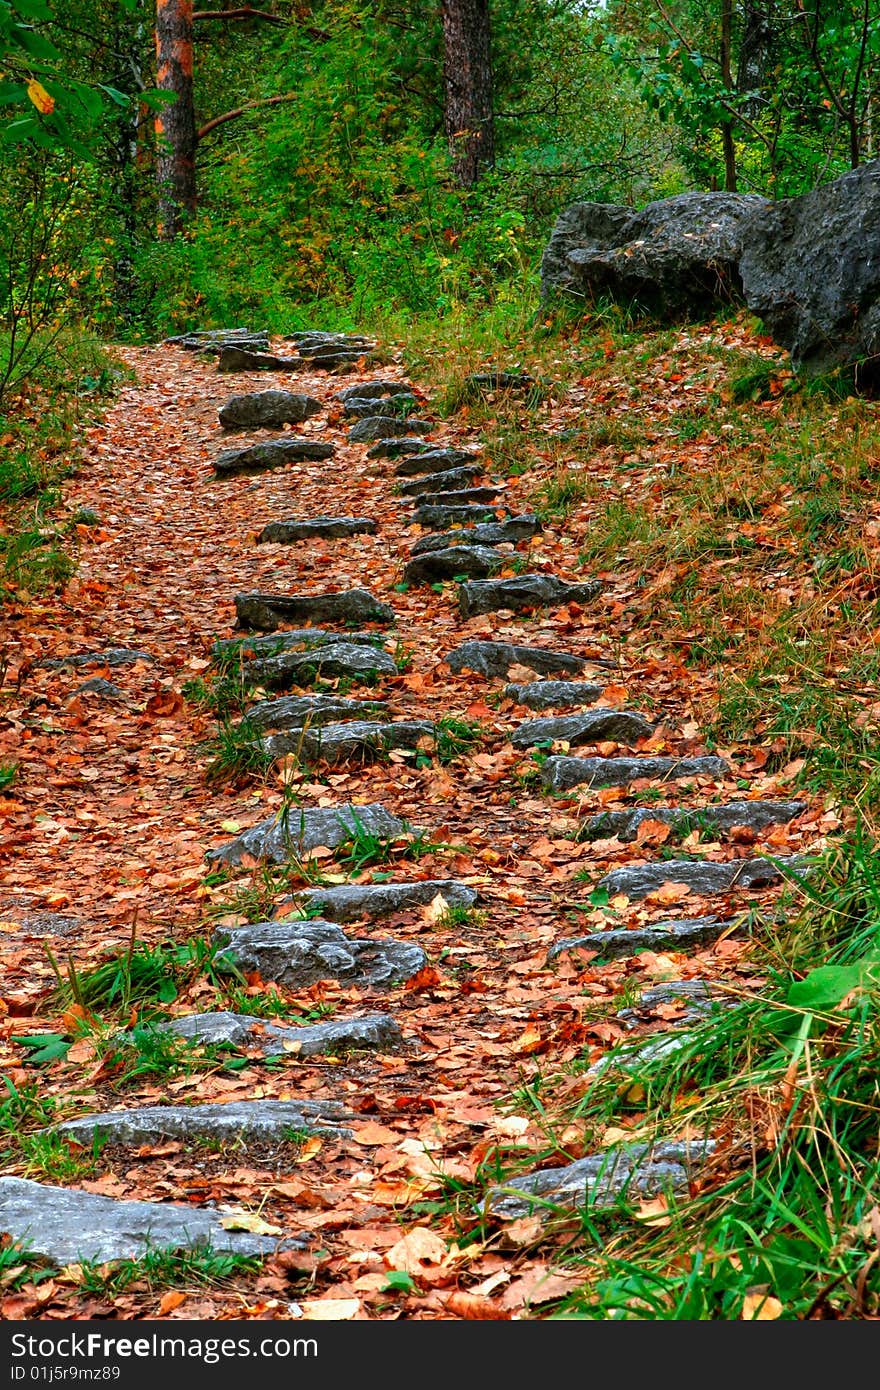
(159, 1269)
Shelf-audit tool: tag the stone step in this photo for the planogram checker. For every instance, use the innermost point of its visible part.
(553, 694)
(362, 740)
(463, 497)
(373, 427)
(733, 815)
(561, 774)
(482, 383)
(267, 410)
(435, 517)
(292, 639)
(618, 726)
(299, 954)
(66, 1226)
(300, 711)
(516, 528)
(110, 656)
(354, 902)
(373, 390)
(448, 480)
(357, 661)
(703, 876)
(432, 461)
(478, 561)
(312, 342)
(496, 658)
(211, 340)
(328, 361)
(377, 1032)
(677, 934)
(242, 359)
(400, 448)
(275, 840)
(268, 1121)
(523, 593)
(274, 453)
(601, 1181)
(699, 999)
(395, 407)
(268, 611)
(317, 527)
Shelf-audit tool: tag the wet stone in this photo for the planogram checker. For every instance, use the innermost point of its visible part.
(300, 711)
(299, 954)
(432, 461)
(516, 528)
(477, 561)
(553, 694)
(600, 1181)
(560, 774)
(496, 658)
(447, 481)
(679, 934)
(274, 453)
(267, 410)
(619, 726)
(358, 901)
(360, 740)
(435, 517)
(525, 592)
(65, 1226)
(373, 427)
(357, 660)
(328, 826)
(111, 656)
(263, 1120)
(750, 815)
(240, 359)
(703, 876)
(376, 1032)
(373, 390)
(268, 611)
(318, 527)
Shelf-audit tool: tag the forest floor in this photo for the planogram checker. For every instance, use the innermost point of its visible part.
(109, 814)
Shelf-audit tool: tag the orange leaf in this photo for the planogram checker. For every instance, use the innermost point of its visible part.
(472, 1306)
(170, 1301)
(40, 97)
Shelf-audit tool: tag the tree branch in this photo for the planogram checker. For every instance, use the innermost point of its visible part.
(240, 111)
(244, 12)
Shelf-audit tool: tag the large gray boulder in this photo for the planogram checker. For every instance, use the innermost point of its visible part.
(810, 269)
(267, 410)
(268, 611)
(674, 257)
(278, 839)
(268, 1120)
(299, 954)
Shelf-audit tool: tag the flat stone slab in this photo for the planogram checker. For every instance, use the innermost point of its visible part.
(361, 739)
(110, 656)
(703, 876)
(451, 563)
(355, 902)
(317, 527)
(64, 1226)
(301, 953)
(99, 686)
(432, 461)
(373, 390)
(465, 496)
(267, 1120)
(619, 726)
(324, 344)
(399, 448)
(509, 532)
(481, 383)
(696, 999)
(274, 453)
(435, 516)
(524, 592)
(298, 711)
(373, 427)
(243, 359)
(395, 407)
(449, 480)
(676, 935)
(559, 774)
(750, 815)
(496, 658)
(212, 340)
(292, 639)
(268, 611)
(267, 410)
(305, 830)
(359, 661)
(601, 1181)
(553, 694)
(378, 1032)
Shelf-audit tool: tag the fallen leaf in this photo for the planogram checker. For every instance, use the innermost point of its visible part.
(760, 1307)
(419, 1248)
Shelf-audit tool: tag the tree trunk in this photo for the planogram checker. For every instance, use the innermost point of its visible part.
(176, 123)
(727, 78)
(131, 60)
(467, 75)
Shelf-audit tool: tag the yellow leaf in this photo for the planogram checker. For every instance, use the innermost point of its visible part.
(249, 1221)
(40, 97)
(419, 1248)
(231, 827)
(760, 1307)
(330, 1309)
(436, 909)
(309, 1149)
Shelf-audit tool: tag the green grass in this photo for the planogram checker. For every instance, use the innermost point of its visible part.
(456, 737)
(147, 977)
(558, 497)
(235, 754)
(166, 1269)
(8, 774)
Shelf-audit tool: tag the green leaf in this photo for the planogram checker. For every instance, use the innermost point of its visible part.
(826, 986)
(44, 1047)
(399, 1280)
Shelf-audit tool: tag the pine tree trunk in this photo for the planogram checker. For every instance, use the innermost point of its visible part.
(727, 77)
(176, 123)
(467, 73)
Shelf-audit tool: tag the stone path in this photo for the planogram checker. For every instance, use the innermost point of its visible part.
(336, 595)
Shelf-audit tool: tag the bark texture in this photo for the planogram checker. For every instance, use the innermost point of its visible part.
(468, 86)
(175, 124)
